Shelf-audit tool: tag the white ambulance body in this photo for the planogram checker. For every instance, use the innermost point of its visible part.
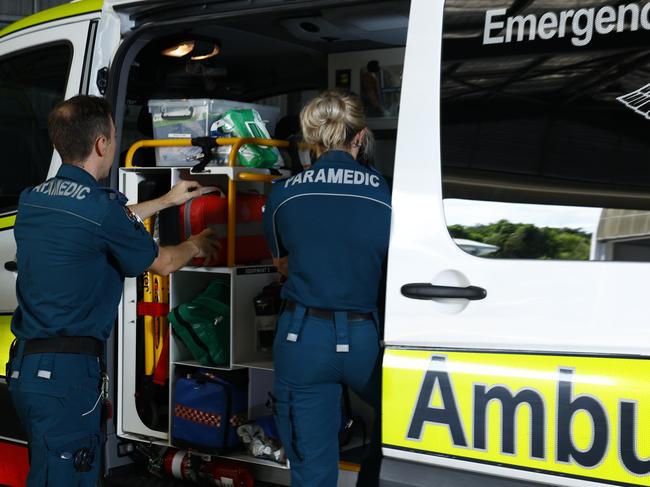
(497, 371)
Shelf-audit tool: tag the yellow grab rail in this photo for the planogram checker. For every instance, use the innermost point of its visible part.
(259, 178)
(236, 143)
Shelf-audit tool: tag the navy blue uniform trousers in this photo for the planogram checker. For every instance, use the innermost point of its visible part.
(307, 391)
(57, 397)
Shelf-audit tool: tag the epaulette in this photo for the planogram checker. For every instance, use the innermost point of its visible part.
(114, 194)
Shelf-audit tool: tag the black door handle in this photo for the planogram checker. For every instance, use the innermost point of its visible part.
(11, 266)
(429, 291)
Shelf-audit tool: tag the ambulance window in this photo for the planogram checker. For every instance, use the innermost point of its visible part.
(31, 83)
(545, 129)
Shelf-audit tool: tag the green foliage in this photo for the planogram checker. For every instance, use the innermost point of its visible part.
(526, 241)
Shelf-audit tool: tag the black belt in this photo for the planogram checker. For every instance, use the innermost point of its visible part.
(326, 314)
(78, 345)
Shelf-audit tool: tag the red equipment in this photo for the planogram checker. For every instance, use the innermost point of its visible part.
(178, 464)
(14, 465)
(226, 473)
(211, 211)
(181, 465)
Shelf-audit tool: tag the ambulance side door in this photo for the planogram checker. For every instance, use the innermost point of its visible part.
(531, 132)
(39, 67)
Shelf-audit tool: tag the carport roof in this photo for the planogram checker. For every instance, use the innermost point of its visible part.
(622, 224)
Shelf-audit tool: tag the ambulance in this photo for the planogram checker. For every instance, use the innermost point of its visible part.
(501, 372)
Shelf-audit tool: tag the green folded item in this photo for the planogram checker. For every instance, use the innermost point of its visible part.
(203, 324)
(248, 123)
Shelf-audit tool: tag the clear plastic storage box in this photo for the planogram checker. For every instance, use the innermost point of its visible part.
(189, 118)
(179, 119)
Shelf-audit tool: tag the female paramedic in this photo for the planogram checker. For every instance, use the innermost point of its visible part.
(332, 223)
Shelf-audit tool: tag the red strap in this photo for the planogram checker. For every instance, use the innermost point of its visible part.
(152, 309)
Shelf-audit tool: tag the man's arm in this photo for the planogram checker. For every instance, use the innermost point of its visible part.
(173, 257)
(179, 194)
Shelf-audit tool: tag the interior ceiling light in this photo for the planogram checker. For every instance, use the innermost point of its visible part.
(179, 50)
(204, 50)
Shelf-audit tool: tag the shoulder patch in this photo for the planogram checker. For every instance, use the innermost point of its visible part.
(132, 216)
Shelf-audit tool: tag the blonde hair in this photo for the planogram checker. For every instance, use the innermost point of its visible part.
(332, 119)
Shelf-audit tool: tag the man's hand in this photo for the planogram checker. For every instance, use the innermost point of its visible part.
(179, 194)
(171, 258)
(182, 192)
(207, 245)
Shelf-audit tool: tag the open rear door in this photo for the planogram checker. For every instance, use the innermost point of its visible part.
(530, 362)
(40, 65)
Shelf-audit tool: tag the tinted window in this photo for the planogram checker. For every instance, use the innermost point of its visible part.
(545, 113)
(31, 83)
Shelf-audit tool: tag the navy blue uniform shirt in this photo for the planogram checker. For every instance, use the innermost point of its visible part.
(76, 243)
(333, 222)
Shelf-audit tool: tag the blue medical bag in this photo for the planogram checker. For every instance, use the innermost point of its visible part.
(207, 411)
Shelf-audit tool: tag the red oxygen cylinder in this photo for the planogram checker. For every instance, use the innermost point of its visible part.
(223, 473)
(178, 464)
(216, 472)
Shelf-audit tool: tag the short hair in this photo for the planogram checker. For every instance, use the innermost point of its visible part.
(332, 119)
(75, 124)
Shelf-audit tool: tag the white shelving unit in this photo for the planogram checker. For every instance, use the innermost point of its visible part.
(245, 283)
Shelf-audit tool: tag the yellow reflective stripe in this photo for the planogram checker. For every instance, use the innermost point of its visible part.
(573, 416)
(7, 221)
(56, 13)
(6, 337)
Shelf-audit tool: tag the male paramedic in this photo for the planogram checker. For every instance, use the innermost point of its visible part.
(76, 243)
(332, 223)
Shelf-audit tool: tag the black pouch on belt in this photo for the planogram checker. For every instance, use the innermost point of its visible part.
(12, 355)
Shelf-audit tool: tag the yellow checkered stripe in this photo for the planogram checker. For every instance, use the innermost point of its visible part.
(236, 420)
(52, 14)
(7, 221)
(197, 416)
(6, 338)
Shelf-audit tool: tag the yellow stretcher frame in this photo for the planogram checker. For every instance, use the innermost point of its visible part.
(148, 297)
(236, 143)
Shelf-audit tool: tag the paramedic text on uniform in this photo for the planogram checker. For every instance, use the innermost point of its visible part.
(332, 223)
(76, 243)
